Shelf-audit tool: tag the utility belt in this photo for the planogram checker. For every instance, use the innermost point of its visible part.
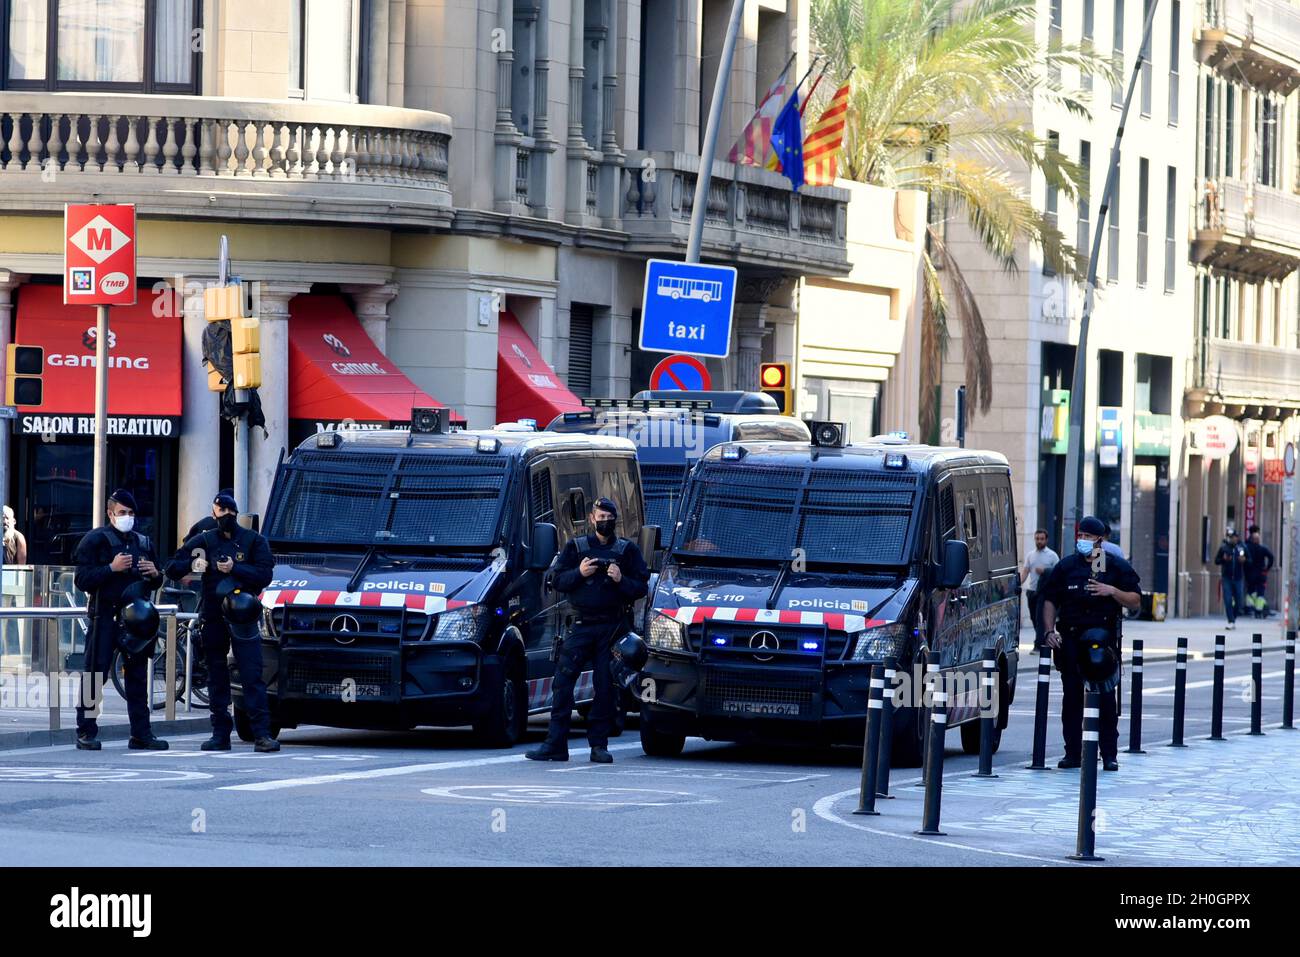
(613, 622)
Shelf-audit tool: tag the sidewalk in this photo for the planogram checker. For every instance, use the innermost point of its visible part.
(1160, 638)
(25, 721)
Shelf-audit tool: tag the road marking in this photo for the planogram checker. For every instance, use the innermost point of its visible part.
(282, 783)
(93, 775)
(730, 774)
(581, 796)
(1209, 682)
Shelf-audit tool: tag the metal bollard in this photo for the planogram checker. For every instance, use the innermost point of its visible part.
(1288, 684)
(871, 743)
(1135, 708)
(1040, 709)
(1216, 706)
(934, 781)
(169, 671)
(989, 681)
(931, 685)
(1180, 694)
(1257, 683)
(885, 757)
(1086, 841)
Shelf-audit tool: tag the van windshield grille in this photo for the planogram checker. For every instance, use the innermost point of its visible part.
(662, 487)
(850, 516)
(450, 501)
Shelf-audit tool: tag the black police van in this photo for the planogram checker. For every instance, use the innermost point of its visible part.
(410, 582)
(672, 430)
(794, 567)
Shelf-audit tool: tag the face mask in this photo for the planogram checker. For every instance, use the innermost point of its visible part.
(228, 524)
(1084, 546)
(124, 523)
(606, 528)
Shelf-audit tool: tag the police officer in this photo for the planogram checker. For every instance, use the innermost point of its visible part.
(208, 523)
(110, 559)
(229, 558)
(603, 575)
(1086, 591)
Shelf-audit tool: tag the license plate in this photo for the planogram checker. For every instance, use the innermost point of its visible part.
(761, 707)
(336, 690)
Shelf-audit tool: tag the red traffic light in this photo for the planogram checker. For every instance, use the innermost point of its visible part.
(773, 375)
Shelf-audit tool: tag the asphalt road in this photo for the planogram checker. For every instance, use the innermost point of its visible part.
(435, 797)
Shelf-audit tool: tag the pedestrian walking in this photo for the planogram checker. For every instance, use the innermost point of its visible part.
(1037, 564)
(1232, 559)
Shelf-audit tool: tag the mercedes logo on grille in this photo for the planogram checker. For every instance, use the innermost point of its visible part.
(345, 629)
(764, 641)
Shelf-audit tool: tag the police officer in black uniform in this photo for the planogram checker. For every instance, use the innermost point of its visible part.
(1086, 591)
(603, 575)
(110, 559)
(230, 557)
(208, 523)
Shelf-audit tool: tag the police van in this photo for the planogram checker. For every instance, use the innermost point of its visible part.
(411, 583)
(795, 566)
(672, 430)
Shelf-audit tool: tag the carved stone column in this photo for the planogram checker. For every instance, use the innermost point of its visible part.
(372, 310)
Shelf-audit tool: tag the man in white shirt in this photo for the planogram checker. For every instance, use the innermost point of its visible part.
(1037, 564)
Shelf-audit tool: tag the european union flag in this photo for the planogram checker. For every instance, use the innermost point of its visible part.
(787, 141)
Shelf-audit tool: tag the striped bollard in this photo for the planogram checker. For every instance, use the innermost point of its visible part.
(934, 780)
(871, 743)
(1288, 684)
(1257, 683)
(1086, 841)
(989, 702)
(931, 686)
(1040, 709)
(1180, 694)
(886, 755)
(1135, 708)
(1216, 705)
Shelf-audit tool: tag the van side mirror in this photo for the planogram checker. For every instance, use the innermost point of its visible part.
(956, 564)
(546, 544)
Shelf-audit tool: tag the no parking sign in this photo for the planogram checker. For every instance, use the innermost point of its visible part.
(685, 373)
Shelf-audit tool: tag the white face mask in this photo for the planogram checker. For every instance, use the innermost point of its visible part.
(124, 523)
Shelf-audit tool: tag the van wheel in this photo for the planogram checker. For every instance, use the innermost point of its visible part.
(656, 743)
(909, 740)
(970, 737)
(507, 718)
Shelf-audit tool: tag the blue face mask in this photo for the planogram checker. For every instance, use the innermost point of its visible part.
(1084, 546)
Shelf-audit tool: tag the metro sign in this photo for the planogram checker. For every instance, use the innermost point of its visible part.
(99, 255)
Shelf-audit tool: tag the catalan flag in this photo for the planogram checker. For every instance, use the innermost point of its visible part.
(821, 147)
(754, 147)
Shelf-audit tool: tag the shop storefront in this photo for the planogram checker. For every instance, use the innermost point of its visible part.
(52, 453)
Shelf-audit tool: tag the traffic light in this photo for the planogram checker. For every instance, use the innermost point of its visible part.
(23, 382)
(226, 304)
(774, 377)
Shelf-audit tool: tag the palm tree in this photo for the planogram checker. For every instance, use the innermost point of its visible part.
(939, 101)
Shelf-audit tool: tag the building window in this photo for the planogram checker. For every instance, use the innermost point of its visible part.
(329, 60)
(524, 41)
(297, 46)
(1117, 54)
(1175, 15)
(1083, 237)
(1144, 168)
(1086, 41)
(1050, 210)
(1145, 54)
(581, 325)
(1171, 199)
(129, 46)
(593, 78)
(1268, 134)
(1054, 38)
(1112, 232)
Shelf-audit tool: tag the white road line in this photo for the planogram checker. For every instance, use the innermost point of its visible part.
(1228, 683)
(282, 783)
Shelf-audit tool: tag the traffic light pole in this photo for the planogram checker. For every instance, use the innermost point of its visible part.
(1078, 384)
(101, 414)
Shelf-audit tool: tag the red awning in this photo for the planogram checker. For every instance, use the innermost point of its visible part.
(144, 351)
(527, 388)
(336, 372)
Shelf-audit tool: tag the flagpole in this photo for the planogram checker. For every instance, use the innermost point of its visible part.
(816, 83)
(766, 96)
(701, 200)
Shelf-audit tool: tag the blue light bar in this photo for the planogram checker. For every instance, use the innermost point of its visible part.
(895, 460)
(811, 645)
(719, 641)
(732, 454)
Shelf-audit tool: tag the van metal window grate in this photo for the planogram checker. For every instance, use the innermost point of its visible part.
(542, 504)
(662, 487)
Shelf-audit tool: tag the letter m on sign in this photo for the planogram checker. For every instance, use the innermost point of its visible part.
(99, 239)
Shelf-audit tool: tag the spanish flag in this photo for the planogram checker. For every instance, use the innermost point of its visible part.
(822, 145)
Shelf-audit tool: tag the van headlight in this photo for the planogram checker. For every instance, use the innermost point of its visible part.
(666, 633)
(874, 644)
(461, 624)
